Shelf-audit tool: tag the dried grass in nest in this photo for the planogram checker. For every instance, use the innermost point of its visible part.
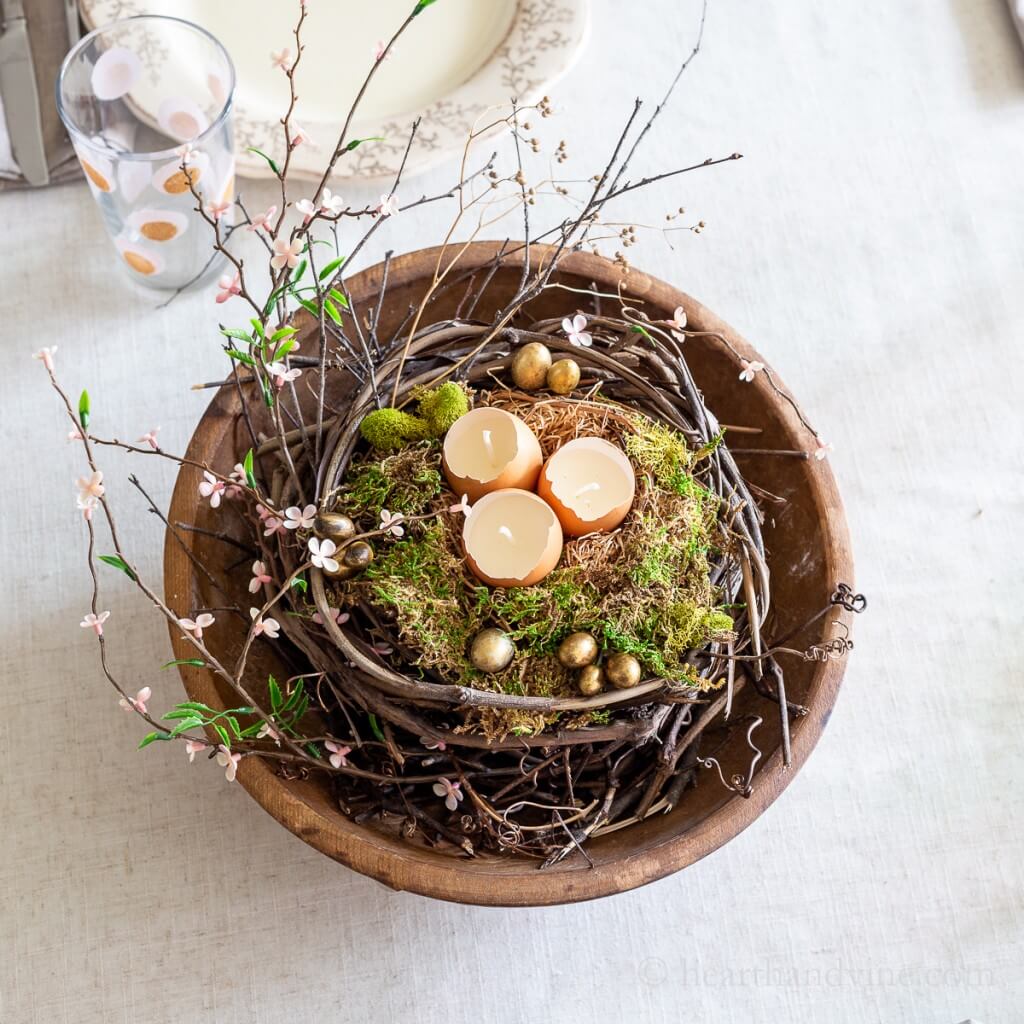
(643, 588)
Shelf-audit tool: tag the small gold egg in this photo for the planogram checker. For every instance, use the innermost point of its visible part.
(577, 650)
(530, 366)
(623, 671)
(590, 681)
(334, 526)
(357, 555)
(491, 650)
(564, 376)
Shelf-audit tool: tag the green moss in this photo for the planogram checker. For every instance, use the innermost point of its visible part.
(405, 482)
(390, 429)
(442, 406)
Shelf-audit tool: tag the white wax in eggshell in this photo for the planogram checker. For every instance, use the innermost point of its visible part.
(481, 444)
(511, 535)
(591, 477)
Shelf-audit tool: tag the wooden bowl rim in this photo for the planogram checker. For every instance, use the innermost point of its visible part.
(517, 882)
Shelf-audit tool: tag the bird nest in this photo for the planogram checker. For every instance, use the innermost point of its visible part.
(682, 585)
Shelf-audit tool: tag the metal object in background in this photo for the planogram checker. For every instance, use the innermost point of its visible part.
(20, 96)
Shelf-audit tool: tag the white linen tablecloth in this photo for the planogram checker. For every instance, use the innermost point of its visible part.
(870, 244)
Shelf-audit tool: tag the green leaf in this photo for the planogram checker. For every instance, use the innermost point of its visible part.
(313, 750)
(83, 410)
(300, 584)
(298, 272)
(257, 327)
(236, 333)
(332, 311)
(294, 697)
(247, 465)
(284, 348)
(370, 138)
(195, 705)
(151, 736)
(421, 6)
(283, 332)
(375, 727)
(275, 694)
(338, 298)
(273, 166)
(639, 329)
(246, 360)
(178, 713)
(185, 724)
(308, 307)
(268, 395)
(118, 563)
(330, 268)
(223, 734)
(197, 662)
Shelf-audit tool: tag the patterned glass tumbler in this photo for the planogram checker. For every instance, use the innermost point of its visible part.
(147, 104)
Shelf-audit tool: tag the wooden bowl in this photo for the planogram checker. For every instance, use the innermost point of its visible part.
(808, 553)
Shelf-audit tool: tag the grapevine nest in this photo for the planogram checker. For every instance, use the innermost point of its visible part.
(682, 584)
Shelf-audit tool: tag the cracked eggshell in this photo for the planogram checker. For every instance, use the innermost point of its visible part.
(465, 465)
(538, 544)
(571, 468)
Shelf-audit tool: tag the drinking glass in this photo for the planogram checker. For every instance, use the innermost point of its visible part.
(147, 104)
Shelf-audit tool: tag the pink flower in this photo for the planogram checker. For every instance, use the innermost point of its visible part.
(268, 732)
(282, 59)
(46, 355)
(259, 577)
(211, 488)
(228, 761)
(451, 791)
(150, 438)
(286, 252)
(824, 447)
(299, 135)
(193, 747)
(321, 554)
(217, 209)
(750, 369)
(270, 628)
(282, 375)
(272, 525)
(574, 330)
(339, 754)
(330, 203)
(380, 49)
(429, 744)
(138, 702)
(263, 221)
(229, 285)
(238, 481)
(198, 624)
(95, 622)
(185, 151)
(91, 486)
(335, 614)
(75, 434)
(390, 523)
(678, 320)
(307, 209)
(88, 505)
(383, 649)
(389, 206)
(462, 506)
(299, 518)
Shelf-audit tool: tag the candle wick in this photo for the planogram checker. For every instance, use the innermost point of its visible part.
(507, 533)
(489, 446)
(586, 488)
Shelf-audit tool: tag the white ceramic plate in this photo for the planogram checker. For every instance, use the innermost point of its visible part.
(456, 59)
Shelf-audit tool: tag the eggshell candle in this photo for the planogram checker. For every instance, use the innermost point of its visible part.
(490, 449)
(590, 484)
(512, 538)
